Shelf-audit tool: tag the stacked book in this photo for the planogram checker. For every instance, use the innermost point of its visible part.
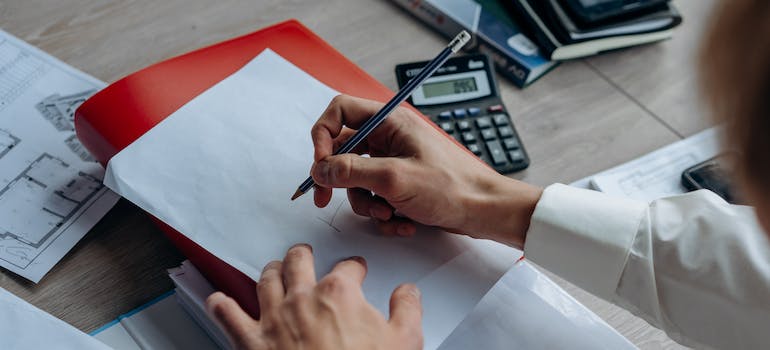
(527, 38)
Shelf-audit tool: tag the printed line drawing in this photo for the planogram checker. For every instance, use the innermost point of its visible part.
(62, 190)
(330, 221)
(60, 110)
(7, 142)
(18, 70)
(76, 147)
(656, 175)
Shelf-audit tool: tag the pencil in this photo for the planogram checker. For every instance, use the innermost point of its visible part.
(458, 42)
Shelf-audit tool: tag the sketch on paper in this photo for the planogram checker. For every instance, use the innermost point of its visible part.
(18, 70)
(62, 192)
(7, 142)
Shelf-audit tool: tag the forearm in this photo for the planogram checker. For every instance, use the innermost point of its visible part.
(501, 210)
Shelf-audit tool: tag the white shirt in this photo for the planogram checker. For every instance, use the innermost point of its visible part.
(693, 265)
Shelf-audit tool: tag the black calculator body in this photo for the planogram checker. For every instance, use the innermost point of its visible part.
(463, 99)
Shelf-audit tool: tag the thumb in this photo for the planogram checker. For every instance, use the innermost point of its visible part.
(237, 325)
(406, 310)
(378, 174)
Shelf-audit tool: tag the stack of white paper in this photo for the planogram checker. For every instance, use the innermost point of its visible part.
(221, 169)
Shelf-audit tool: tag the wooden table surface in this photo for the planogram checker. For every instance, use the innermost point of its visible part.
(583, 117)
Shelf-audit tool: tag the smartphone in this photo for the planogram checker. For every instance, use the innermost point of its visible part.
(591, 11)
(713, 175)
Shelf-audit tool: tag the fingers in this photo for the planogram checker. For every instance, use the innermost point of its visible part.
(238, 325)
(342, 111)
(366, 204)
(353, 268)
(384, 176)
(397, 226)
(406, 309)
(298, 268)
(270, 290)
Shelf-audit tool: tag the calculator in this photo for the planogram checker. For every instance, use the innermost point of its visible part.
(463, 99)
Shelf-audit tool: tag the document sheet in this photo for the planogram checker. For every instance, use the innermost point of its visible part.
(51, 190)
(221, 169)
(23, 326)
(658, 174)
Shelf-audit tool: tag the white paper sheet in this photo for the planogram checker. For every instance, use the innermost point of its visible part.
(160, 324)
(23, 326)
(221, 170)
(658, 174)
(526, 310)
(50, 187)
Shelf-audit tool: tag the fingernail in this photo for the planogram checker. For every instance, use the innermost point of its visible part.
(358, 259)
(415, 292)
(308, 246)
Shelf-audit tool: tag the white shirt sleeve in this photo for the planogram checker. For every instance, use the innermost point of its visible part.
(693, 265)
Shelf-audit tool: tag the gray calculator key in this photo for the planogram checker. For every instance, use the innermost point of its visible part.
(447, 127)
(511, 143)
(500, 119)
(497, 153)
(469, 137)
(505, 131)
(484, 122)
(488, 134)
(474, 147)
(464, 125)
(517, 156)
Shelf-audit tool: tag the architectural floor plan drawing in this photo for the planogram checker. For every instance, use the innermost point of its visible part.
(51, 191)
(7, 142)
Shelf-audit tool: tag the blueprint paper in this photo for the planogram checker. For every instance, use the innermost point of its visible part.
(23, 326)
(50, 187)
(221, 169)
(658, 174)
(526, 310)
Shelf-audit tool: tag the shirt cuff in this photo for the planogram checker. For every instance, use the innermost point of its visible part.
(583, 236)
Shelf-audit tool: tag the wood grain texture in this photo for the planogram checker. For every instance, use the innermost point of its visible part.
(583, 117)
(662, 77)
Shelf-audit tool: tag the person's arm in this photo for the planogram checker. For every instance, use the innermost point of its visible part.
(693, 265)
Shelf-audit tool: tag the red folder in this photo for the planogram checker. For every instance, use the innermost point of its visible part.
(115, 117)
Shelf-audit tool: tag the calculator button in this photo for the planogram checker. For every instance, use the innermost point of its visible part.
(469, 137)
(445, 115)
(464, 125)
(517, 156)
(488, 134)
(505, 131)
(473, 111)
(484, 122)
(460, 113)
(497, 153)
(474, 147)
(495, 108)
(500, 119)
(447, 127)
(511, 143)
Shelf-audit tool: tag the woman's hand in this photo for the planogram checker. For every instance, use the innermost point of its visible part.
(298, 313)
(417, 172)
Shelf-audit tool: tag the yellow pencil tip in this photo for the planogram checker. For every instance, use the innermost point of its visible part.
(297, 194)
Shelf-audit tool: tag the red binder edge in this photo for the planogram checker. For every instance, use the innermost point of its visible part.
(119, 114)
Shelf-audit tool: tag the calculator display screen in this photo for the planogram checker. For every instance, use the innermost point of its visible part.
(453, 88)
(449, 87)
